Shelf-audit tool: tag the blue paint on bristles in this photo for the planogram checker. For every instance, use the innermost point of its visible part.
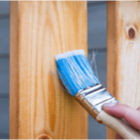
(75, 71)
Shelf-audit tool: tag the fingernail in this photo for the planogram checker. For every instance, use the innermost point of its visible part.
(109, 104)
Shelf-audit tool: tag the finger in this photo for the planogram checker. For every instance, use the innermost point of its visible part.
(118, 137)
(138, 108)
(131, 115)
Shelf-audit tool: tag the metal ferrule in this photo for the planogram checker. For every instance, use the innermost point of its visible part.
(92, 99)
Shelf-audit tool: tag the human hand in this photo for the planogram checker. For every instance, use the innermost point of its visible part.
(130, 115)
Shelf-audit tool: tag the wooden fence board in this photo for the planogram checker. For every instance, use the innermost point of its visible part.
(123, 53)
(39, 108)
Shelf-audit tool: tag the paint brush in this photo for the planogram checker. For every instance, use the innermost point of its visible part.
(77, 76)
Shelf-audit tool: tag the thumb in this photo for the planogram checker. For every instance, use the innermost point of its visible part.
(131, 115)
(138, 108)
(118, 137)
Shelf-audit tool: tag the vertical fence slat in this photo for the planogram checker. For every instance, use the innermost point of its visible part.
(39, 108)
(123, 53)
(14, 71)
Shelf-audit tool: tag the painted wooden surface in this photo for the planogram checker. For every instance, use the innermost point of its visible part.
(39, 31)
(123, 53)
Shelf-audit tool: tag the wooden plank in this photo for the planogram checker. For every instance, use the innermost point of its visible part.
(123, 48)
(14, 71)
(111, 47)
(39, 31)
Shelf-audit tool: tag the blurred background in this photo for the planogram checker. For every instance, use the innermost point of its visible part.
(96, 42)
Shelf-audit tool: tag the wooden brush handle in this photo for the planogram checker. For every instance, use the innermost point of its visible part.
(124, 130)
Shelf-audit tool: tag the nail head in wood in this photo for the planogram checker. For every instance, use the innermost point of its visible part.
(131, 33)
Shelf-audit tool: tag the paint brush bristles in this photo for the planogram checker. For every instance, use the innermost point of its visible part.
(75, 71)
(80, 81)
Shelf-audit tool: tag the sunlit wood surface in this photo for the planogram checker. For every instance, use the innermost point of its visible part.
(39, 108)
(123, 53)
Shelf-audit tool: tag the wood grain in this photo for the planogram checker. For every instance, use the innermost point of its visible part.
(123, 53)
(39, 108)
(14, 71)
